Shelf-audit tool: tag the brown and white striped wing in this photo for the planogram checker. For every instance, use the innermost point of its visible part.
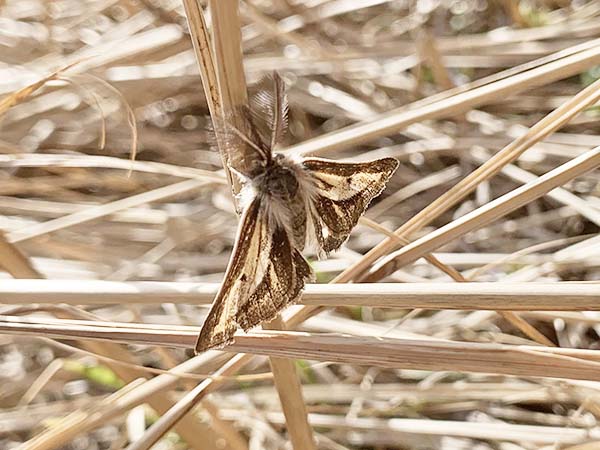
(264, 275)
(280, 285)
(343, 193)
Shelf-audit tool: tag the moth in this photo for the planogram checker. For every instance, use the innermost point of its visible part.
(287, 204)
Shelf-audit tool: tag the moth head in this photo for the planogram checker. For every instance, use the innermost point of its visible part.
(247, 169)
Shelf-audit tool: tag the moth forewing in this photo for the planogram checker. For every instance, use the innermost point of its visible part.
(341, 194)
(220, 324)
(281, 286)
(342, 180)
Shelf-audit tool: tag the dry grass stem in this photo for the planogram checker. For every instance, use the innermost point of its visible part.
(380, 351)
(566, 296)
(109, 264)
(492, 166)
(489, 212)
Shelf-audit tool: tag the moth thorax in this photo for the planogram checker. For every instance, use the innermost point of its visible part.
(281, 182)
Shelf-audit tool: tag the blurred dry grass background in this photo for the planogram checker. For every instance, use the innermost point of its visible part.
(490, 105)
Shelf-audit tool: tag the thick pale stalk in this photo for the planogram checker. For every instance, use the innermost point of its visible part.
(564, 296)
(381, 351)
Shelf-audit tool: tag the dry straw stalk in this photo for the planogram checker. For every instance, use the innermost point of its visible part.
(565, 296)
(379, 351)
(68, 213)
(226, 67)
(489, 212)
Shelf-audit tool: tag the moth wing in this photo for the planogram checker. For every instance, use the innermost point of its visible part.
(265, 274)
(343, 192)
(220, 324)
(281, 284)
(270, 109)
(240, 128)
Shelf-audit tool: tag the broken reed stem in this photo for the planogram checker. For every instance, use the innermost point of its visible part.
(228, 70)
(417, 354)
(487, 213)
(17, 97)
(561, 296)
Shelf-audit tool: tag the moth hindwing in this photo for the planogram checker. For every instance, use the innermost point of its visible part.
(286, 203)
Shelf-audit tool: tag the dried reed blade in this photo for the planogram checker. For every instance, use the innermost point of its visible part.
(396, 120)
(508, 154)
(488, 213)
(22, 94)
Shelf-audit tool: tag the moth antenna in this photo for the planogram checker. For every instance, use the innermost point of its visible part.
(280, 110)
(246, 139)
